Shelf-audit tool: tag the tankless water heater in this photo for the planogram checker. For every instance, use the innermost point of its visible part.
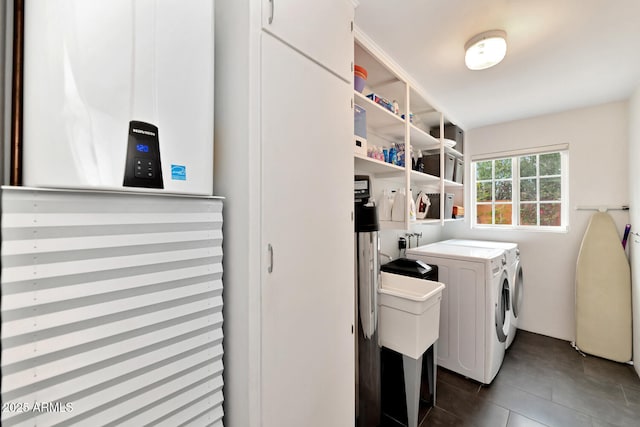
(118, 95)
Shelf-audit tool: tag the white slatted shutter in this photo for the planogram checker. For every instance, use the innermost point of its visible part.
(111, 309)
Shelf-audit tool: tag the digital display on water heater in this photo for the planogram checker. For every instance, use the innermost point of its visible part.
(143, 148)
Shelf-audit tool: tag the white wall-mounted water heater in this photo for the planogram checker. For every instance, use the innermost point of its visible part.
(118, 95)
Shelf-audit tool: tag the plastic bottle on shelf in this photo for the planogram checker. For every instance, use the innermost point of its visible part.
(399, 202)
(386, 203)
(401, 155)
(419, 164)
(412, 207)
(422, 205)
(393, 154)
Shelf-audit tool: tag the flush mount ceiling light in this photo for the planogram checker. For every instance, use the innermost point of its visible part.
(485, 49)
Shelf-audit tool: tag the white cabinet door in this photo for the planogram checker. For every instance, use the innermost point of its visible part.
(322, 30)
(307, 200)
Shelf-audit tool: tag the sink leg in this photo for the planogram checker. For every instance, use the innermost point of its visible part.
(412, 376)
(434, 370)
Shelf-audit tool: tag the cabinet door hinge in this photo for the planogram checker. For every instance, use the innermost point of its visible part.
(352, 103)
(352, 26)
(352, 66)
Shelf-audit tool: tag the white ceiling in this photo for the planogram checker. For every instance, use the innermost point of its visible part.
(562, 54)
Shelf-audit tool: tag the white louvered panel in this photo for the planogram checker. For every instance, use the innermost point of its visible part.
(88, 289)
(52, 320)
(151, 400)
(207, 412)
(210, 413)
(73, 219)
(110, 391)
(112, 303)
(212, 417)
(78, 243)
(88, 266)
(109, 330)
(186, 412)
(87, 400)
(147, 390)
(91, 358)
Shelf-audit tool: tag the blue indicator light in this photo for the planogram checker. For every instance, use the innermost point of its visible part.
(143, 148)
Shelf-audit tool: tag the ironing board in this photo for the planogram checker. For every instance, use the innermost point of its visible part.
(603, 292)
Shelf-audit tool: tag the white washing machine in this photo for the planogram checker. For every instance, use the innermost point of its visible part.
(515, 275)
(474, 311)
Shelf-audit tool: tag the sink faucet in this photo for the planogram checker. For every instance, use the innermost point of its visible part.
(416, 235)
(389, 257)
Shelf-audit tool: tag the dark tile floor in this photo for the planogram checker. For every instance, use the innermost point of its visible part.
(543, 382)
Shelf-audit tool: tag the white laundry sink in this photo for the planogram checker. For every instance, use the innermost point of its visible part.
(409, 315)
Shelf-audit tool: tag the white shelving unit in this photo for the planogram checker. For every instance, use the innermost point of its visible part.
(377, 167)
(390, 82)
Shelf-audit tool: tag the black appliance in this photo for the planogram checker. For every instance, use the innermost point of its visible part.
(367, 245)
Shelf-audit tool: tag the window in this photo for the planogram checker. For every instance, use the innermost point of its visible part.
(522, 191)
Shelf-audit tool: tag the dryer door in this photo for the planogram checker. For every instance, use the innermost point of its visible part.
(516, 298)
(502, 307)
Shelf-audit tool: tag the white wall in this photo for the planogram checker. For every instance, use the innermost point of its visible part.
(389, 238)
(598, 175)
(237, 177)
(634, 192)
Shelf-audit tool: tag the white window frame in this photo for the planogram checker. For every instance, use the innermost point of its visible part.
(563, 149)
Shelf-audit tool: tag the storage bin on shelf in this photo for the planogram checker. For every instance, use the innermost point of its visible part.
(434, 209)
(452, 132)
(458, 172)
(383, 102)
(359, 78)
(431, 162)
(360, 130)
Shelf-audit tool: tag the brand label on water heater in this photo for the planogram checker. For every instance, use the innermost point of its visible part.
(179, 172)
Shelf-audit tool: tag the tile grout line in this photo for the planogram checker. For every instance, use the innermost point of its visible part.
(624, 394)
(551, 401)
(508, 417)
(527, 417)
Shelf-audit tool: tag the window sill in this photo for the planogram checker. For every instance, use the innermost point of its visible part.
(562, 230)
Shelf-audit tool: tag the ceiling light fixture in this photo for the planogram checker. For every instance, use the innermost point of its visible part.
(485, 49)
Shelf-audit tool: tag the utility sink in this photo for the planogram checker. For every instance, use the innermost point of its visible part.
(409, 315)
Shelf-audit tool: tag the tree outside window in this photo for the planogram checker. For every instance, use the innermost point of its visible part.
(522, 191)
